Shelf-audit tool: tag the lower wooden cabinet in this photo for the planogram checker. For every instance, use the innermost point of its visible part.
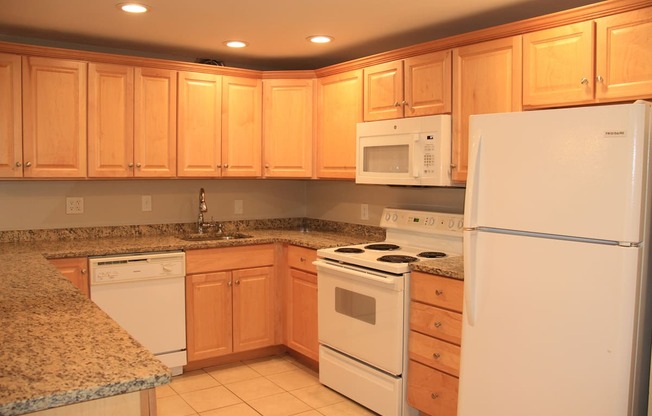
(434, 343)
(76, 270)
(229, 300)
(302, 302)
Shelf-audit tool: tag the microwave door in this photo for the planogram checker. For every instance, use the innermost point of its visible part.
(386, 159)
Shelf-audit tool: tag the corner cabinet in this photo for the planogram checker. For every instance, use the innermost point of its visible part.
(339, 109)
(486, 79)
(302, 302)
(230, 295)
(434, 343)
(11, 122)
(54, 117)
(416, 86)
(288, 127)
(75, 269)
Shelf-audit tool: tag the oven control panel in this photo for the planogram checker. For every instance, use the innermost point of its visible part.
(423, 221)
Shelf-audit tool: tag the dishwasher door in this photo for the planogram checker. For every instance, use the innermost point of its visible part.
(145, 294)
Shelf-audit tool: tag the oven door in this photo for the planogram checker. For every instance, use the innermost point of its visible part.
(361, 314)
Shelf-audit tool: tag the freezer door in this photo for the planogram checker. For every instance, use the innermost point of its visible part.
(547, 334)
(576, 172)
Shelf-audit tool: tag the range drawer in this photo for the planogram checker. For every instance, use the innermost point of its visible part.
(436, 322)
(301, 258)
(435, 353)
(432, 391)
(436, 290)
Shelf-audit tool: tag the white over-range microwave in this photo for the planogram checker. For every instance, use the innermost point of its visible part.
(409, 151)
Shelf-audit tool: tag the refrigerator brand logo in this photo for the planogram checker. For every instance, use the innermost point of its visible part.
(615, 133)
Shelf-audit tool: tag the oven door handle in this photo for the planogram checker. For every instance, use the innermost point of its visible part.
(392, 282)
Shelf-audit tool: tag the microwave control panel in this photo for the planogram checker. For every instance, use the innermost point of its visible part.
(430, 144)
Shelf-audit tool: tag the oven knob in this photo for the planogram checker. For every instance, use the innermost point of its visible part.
(394, 217)
(451, 223)
(387, 216)
(460, 224)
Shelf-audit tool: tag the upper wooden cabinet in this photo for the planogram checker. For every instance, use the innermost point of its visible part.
(608, 59)
(241, 127)
(11, 138)
(54, 117)
(486, 79)
(288, 127)
(199, 125)
(339, 109)
(412, 87)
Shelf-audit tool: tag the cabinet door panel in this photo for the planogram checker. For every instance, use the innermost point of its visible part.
(383, 91)
(624, 56)
(11, 123)
(253, 308)
(200, 125)
(54, 117)
(428, 84)
(302, 316)
(110, 121)
(208, 315)
(155, 123)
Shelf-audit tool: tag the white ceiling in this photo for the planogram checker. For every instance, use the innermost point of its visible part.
(275, 29)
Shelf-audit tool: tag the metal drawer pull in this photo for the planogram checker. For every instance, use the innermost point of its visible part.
(436, 355)
(439, 292)
(437, 324)
(584, 81)
(434, 396)
(302, 259)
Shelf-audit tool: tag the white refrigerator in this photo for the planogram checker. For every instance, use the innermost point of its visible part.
(556, 248)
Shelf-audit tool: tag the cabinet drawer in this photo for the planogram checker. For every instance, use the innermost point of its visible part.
(436, 322)
(229, 258)
(438, 291)
(434, 353)
(432, 391)
(301, 258)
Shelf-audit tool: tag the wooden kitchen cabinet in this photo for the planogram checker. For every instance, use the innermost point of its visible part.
(288, 127)
(339, 109)
(199, 125)
(75, 269)
(602, 60)
(434, 343)
(229, 300)
(11, 124)
(302, 302)
(416, 86)
(54, 117)
(241, 127)
(486, 79)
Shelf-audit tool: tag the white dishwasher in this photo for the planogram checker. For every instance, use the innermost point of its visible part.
(145, 294)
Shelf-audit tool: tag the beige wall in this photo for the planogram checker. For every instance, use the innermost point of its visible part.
(41, 204)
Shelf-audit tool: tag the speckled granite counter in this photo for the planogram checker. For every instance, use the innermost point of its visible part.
(452, 267)
(58, 348)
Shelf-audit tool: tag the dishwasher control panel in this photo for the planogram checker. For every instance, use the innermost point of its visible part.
(133, 267)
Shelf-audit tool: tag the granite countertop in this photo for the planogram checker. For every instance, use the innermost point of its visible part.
(59, 348)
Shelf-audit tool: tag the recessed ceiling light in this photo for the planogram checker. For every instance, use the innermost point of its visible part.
(320, 39)
(133, 7)
(235, 43)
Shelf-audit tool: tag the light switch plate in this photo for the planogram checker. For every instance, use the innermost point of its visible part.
(238, 207)
(146, 203)
(364, 211)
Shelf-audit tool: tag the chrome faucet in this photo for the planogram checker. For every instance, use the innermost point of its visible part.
(201, 224)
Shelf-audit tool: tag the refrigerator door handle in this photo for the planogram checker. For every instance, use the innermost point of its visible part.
(470, 276)
(470, 205)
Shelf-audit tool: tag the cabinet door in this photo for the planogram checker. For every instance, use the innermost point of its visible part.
(339, 109)
(486, 79)
(288, 127)
(558, 66)
(241, 127)
(209, 315)
(383, 91)
(199, 125)
(54, 117)
(11, 139)
(253, 308)
(76, 270)
(428, 84)
(155, 123)
(110, 121)
(624, 56)
(302, 314)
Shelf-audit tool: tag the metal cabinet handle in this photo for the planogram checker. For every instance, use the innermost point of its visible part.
(219, 166)
(437, 324)
(137, 165)
(226, 165)
(599, 79)
(237, 282)
(439, 292)
(266, 165)
(434, 396)
(82, 271)
(436, 355)
(584, 81)
(404, 103)
(18, 164)
(131, 164)
(28, 164)
(302, 259)
(397, 104)
(230, 283)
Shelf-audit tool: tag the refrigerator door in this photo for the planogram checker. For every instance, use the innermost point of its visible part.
(563, 172)
(547, 334)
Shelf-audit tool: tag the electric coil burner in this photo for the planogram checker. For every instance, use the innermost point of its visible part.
(398, 259)
(382, 247)
(431, 254)
(350, 250)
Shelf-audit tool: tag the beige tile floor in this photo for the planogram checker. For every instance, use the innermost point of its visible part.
(273, 386)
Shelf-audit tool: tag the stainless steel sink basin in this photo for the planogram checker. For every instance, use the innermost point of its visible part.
(213, 236)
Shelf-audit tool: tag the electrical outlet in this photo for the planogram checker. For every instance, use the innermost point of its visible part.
(364, 211)
(146, 203)
(74, 205)
(238, 207)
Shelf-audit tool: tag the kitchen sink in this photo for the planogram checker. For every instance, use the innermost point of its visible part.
(213, 236)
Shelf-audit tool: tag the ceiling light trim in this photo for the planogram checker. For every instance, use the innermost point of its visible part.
(320, 39)
(236, 44)
(133, 8)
